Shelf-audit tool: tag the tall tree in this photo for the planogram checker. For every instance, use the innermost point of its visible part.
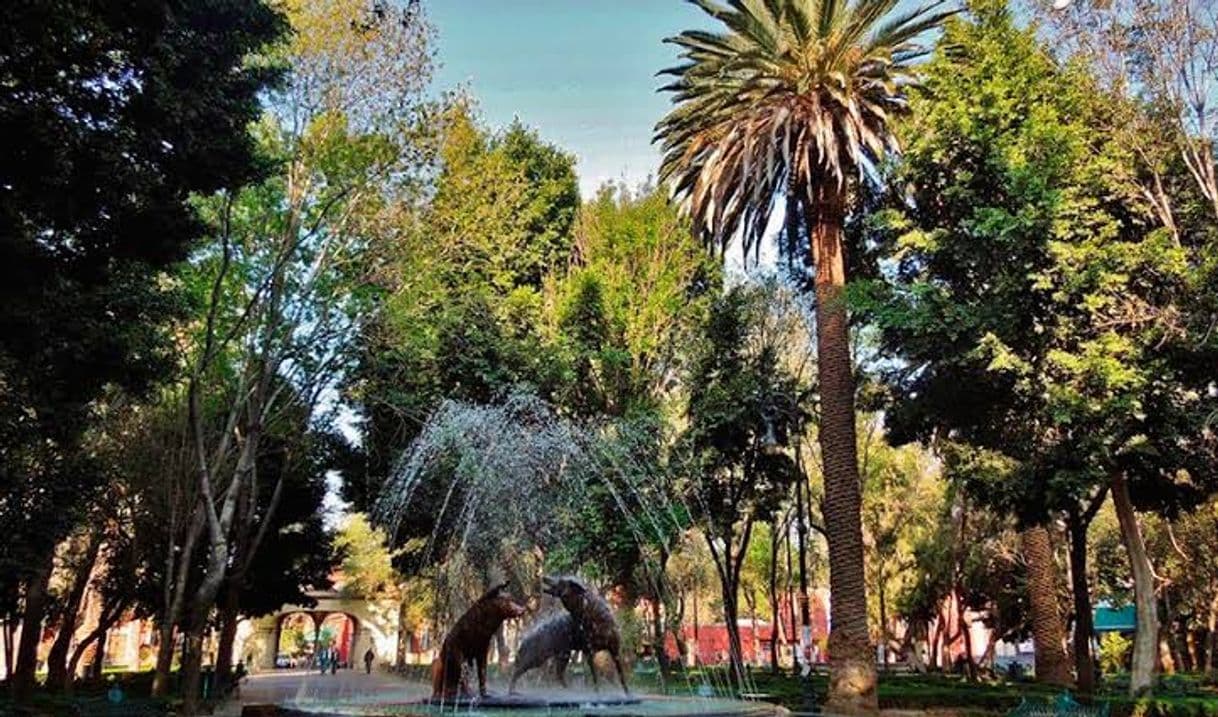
(460, 301)
(114, 114)
(789, 106)
(279, 558)
(1161, 55)
(744, 410)
(283, 280)
(902, 503)
(1032, 297)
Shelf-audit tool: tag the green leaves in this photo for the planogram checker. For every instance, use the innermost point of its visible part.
(1027, 294)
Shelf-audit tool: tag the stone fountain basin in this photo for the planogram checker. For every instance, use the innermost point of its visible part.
(531, 701)
(545, 705)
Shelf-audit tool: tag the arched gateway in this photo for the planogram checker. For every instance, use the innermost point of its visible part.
(350, 625)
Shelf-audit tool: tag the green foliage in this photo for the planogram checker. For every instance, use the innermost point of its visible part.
(460, 315)
(971, 554)
(903, 508)
(113, 114)
(745, 409)
(504, 206)
(1114, 653)
(600, 336)
(365, 559)
(637, 285)
(1019, 282)
(744, 406)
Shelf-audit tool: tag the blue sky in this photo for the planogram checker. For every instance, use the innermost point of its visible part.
(582, 72)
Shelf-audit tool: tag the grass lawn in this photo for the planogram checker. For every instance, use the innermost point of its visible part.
(1178, 695)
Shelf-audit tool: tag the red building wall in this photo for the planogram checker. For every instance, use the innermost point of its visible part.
(712, 642)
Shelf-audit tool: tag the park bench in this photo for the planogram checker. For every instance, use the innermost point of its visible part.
(756, 696)
(1063, 706)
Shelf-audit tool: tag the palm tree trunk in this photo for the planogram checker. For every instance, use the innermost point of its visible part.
(1145, 642)
(852, 673)
(1048, 633)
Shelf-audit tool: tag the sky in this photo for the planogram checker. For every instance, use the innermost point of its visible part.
(581, 72)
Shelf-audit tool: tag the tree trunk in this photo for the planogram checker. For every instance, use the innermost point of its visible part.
(918, 633)
(1084, 629)
(852, 673)
(9, 622)
(99, 653)
(966, 631)
(78, 652)
(164, 657)
(775, 611)
(23, 679)
(230, 617)
(57, 660)
(1211, 643)
(792, 639)
(729, 587)
(735, 647)
(218, 559)
(1167, 660)
(657, 628)
(697, 636)
(677, 628)
(1145, 642)
(174, 585)
(934, 643)
(192, 667)
(751, 601)
(405, 631)
(1048, 633)
(805, 612)
(883, 621)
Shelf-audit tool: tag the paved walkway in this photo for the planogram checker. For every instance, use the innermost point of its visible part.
(300, 686)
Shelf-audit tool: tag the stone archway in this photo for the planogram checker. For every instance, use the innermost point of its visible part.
(343, 630)
(295, 637)
(368, 624)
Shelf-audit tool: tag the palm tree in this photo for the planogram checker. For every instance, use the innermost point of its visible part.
(789, 105)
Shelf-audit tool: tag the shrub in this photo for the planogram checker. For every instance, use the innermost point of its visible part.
(1114, 648)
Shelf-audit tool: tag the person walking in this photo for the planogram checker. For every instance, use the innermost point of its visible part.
(368, 658)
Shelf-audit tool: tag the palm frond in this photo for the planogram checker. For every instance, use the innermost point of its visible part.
(786, 98)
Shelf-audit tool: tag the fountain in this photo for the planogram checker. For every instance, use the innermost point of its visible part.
(503, 483)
